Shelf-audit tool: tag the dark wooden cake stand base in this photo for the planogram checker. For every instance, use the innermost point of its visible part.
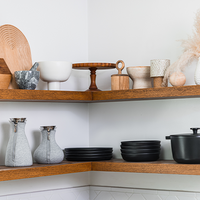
(93, 67)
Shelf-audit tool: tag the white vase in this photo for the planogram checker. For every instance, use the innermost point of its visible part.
(197, 73)
(140, 76)
(18, 152)
(48, 152)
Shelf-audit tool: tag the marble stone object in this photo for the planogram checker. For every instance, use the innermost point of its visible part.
(27, 79)
(48, 152)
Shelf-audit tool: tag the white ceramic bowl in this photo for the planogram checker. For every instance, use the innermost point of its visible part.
(54, 72)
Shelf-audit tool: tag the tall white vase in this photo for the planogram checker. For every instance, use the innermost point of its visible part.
(18, 152)
(197, 73)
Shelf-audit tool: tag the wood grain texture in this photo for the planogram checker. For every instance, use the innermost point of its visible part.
(15, 50)
(40, 170)
(44, 96)
(158, 167)
(98, 96)
(93, 65)
(149, 93)
(120, 82)
(157, 82)
(116, 165)
(5, 80)
(3, 67)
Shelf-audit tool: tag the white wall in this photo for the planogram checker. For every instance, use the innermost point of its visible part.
(137, 31)
(55, 30)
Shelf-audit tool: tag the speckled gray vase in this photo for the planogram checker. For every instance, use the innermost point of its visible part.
(48, 151)
(18, 152)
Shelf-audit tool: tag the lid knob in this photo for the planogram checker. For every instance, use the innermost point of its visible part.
(194, 130)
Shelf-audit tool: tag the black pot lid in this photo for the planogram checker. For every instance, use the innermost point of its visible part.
(189, 135)
(140, 142)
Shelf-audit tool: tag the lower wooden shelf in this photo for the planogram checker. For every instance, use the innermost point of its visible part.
(115, 165)
(39, 170)
(157, 167)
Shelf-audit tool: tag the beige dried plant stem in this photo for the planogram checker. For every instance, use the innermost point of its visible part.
(15, 50)
(191, 51)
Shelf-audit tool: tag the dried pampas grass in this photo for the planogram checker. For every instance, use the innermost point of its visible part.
(191, 51)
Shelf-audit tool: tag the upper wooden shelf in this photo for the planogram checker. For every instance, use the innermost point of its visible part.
(149, 93)
(115, 165)
(44, 95)
(99, 96)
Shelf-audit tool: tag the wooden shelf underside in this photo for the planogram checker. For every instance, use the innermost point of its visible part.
(117, 165)
(99, 96)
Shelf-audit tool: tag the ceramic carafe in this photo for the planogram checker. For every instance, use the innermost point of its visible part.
(48, 151)
(18, 152)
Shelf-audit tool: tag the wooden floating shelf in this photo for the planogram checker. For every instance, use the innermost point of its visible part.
(116, 165)
(99, 96)
(44, 96)
(40, 170)
(148, 93)
(157, 167)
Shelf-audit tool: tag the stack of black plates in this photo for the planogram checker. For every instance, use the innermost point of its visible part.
(88, 154)
(140, 151)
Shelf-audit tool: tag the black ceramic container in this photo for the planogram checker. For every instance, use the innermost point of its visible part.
(186, 147)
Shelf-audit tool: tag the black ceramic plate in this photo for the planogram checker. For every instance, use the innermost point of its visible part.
(142, 142)
(157, 150)
(142, 157)
(94, 158)
(88, 154)
(89, 149)
(155, 146)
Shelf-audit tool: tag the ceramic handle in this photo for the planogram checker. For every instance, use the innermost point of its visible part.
(120, 69)
(167, 137)
(194, 130)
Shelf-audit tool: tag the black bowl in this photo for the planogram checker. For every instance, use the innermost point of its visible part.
(140, 157)
(151, 146)
(134, 151)
(141, 142)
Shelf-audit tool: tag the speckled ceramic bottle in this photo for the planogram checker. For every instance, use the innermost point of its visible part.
(48, 151)
(18, 152)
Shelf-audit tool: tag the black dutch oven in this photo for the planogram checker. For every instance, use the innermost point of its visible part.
(186, 147)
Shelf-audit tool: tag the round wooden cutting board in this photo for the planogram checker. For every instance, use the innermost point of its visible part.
(15, 50)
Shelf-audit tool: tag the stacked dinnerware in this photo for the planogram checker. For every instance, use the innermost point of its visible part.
(140, 151)
(88, 153)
